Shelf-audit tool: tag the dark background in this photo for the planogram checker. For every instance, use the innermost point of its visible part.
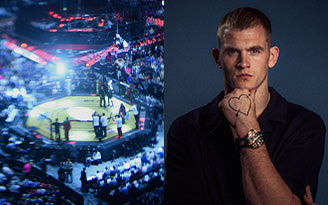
(300, 30)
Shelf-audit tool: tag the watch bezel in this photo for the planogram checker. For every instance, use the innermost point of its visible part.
(254, 139)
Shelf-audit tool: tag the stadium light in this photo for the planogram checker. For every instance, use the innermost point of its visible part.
(61, 68)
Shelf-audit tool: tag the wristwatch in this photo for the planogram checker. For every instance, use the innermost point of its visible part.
(253, 139)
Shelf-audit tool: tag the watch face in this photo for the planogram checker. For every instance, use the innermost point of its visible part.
(254, 139)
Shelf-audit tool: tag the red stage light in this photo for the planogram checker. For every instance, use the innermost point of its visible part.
(30, 48)
(61, 25)
(87, 30)
(101, 23)
(38, 136)
(93, 94)
(51, 12)
(71, 142)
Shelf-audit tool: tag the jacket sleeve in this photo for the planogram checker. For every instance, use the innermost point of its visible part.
(300, 162)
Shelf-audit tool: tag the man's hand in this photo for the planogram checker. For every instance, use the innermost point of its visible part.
(308, 197)
(238, 107)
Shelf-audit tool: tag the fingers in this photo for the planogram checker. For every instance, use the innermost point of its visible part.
(308, 197)
(308, 191)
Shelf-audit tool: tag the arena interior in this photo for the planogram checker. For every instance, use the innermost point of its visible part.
(81, 88)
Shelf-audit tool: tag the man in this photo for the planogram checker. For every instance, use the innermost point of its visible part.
(102, 94)
(104, 124)
(61, 173)
(57, 131)
(105, 175)
(249, 145)
(67, 127)
(122, 112)
(83, 178)
(108, 90)
(88, 158)
(135, 113)
(118, 120)
(96, 157)
(96, 123)
(69, 169)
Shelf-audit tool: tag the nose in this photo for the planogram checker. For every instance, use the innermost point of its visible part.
(243, 60)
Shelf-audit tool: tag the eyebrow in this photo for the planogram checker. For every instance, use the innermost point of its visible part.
(257, 47)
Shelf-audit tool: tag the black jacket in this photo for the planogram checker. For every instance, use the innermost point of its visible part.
(202, 164)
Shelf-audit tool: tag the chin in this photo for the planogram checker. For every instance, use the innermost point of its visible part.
(244, 86)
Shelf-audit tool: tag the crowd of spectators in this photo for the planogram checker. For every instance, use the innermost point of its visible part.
(26, 146)
(18, 188)
(24, 83)
(138, 178)
(141, 69)
(18, 77)
(142, 172)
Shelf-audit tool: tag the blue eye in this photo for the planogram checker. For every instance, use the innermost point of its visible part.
(256, 50)
(232, 52)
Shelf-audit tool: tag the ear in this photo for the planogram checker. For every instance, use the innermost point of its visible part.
(274, 54)
(215, 53)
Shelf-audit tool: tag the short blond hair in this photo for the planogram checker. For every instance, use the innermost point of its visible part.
(244, 18)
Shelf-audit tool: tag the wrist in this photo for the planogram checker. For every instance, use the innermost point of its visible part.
(253, 140)
(242, 128)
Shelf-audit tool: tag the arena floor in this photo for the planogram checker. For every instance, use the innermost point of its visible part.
(79, 110)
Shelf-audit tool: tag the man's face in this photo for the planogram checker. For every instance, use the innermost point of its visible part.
(245, 57)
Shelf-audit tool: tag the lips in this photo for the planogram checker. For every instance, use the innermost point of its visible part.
(244, 76)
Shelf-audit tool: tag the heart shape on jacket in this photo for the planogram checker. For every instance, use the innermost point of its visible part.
(241, 104)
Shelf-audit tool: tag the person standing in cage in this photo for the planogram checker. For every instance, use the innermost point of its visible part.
(102, 96)
(95, 123)
(104, 123)
(122, 112)
(108, 91)
(56, 125)
(135, 111)
(67, 127)
(118, 120)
